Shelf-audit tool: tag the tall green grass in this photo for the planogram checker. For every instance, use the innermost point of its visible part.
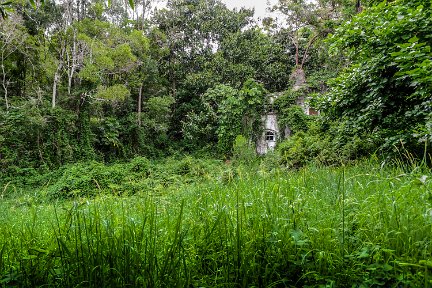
(359, 226)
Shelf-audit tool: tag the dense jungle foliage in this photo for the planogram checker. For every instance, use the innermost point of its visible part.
(196, 222)
(128, 133)
(89, 80)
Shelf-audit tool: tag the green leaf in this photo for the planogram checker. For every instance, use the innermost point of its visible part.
(413, 39)
(33, 3)
(387, 267)
(30, 257)
(427, 263)
(364, 253)
(132, 4)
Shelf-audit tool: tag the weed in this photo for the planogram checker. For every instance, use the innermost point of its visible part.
(355, 226)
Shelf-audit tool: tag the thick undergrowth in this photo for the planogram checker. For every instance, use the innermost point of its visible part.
(226, 225)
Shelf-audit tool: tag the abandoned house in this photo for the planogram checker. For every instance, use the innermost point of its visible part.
(272, 133)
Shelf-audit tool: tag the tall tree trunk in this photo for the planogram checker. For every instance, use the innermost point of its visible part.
(57, 79)
(358, 7)
(54, 89)
(145, 6)
(5, 89)
(72, 59)
(295, 40)
(5, 83)
(308, 46)
(139, 105)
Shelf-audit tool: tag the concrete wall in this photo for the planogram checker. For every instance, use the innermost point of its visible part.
(270, 125)
(264, 144)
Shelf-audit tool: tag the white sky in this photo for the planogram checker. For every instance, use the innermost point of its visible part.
(259, 5)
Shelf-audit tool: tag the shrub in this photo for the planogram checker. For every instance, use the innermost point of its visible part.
(324, 146)
(243, 150)
(86, 179)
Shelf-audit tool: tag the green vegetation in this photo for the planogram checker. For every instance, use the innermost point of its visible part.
(91, 81)
(367, 225)
(386, 90)
(101, 102)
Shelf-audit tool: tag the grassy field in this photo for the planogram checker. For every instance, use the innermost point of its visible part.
(204, 223)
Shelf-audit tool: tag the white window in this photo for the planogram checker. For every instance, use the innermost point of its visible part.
(270, 136)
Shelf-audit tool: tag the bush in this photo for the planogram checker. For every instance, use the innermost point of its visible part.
(86, 179)
(243, 151)
(303, 148)
(139, 175)
(328, 146)
(386, 89)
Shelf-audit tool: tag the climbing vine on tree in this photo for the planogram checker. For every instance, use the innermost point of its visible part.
(386, 90)
(226, 113)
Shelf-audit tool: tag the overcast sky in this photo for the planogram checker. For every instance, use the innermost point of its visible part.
(259, 5)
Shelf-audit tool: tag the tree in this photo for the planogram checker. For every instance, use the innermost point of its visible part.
(387, 88)
(306, 22)
(252, 54)
(15, 44)
(226, 113)
(65, 47)
(193, 31)
(191, 34)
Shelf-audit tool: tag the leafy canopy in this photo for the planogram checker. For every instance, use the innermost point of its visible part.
(387, 87)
